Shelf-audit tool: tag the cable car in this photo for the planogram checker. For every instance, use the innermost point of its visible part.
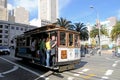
(55, 47)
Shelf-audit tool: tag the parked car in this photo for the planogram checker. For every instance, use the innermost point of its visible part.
(4, 50)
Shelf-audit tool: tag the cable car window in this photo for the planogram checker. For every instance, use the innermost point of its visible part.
(70, 39)
(76, 41)
(28, 41)
(62, 38)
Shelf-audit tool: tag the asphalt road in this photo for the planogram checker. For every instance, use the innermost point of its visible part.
(94, 67)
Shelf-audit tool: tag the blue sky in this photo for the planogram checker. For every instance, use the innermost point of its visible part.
(76, 10)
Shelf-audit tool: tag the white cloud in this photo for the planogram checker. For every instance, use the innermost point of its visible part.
(9, 6)
(35, 22)
(63, 3)
(30, 5)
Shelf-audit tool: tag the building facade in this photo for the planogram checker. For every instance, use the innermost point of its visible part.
(111, 22)
(45, 22)
(8, 32)
(3, 3)
(54, 10)
(21, 15)
(3, 10)
(3, 13)
(108, 25)
(48, 10)
(11, 17)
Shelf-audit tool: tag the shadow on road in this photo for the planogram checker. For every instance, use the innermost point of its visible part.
(81, 64)
(31, 66)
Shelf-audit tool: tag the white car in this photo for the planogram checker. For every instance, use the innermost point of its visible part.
(4, 50)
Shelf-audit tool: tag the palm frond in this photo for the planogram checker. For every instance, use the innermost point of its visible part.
(63, 22)
(80, 27)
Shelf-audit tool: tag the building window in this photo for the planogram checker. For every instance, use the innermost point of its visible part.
(0, 31)
(6, 36)
(25, 29)
(0, 36)
(5, 41)
(12, 41)
(6, 31)
(17, 28)
(1, 26)
(0, 41)
(6, 27)
(12, 27)
(21, 29)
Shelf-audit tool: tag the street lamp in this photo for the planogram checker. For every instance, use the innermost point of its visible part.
(98, 24)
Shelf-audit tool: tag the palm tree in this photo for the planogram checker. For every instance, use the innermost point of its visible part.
(115, 33)
(80, 27)
(63, 23)
(95, 31)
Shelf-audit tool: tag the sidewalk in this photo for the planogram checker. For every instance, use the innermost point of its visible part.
(103, 52)
(107, 51)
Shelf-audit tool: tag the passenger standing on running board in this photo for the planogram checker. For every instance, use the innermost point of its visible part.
(33, 50)
(48, 49)
(53, 44)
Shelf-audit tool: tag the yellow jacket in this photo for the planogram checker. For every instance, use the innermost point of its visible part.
(48, 47)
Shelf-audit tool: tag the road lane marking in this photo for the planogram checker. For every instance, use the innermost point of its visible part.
(114, 65)
(9, 71)
(47, 78)
(85, 70)
(104, 77)
(80, 72)
(88, 76)
(70, 78)
(110, 59)
(21, 67)
(44, 76)
(1, 75)
(108, 72)
(116, 61)
(76, 74)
